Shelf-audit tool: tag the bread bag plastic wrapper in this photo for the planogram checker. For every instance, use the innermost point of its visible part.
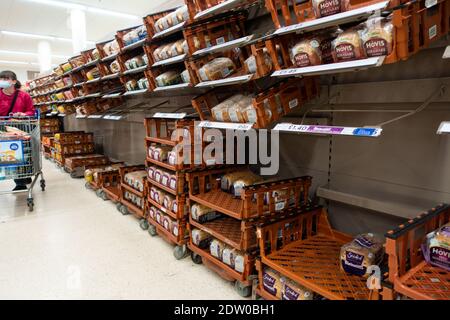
(114, 67)
(182, 14)
(200, 238)
(152, 213)
(244, 181)
(220, 112)
(135, 179)
(377, 37)
(132, 85)
(324, 8)
(250, 62)
(134, 63)
(203, 214)
(229, 179)
(168, 201)
(173, 182)
(185, 77)
(239, 262)
(272, 282)
(167, 223)
(306, 53)
(365, 250)
(229, 256)
(111, 48)
(168, 78)
(143, 83)
(176, 48)
(216, 69)
(158, 174)
(161, 153)
(92, 74)
(293, 291)
(436, 248)
(145, 59)
(216, 248)
(96, 54)
(165, 179)
(348, 45)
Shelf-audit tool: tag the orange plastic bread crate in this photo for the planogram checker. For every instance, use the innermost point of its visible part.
(409, 274)
(304, 248)
(124, 187)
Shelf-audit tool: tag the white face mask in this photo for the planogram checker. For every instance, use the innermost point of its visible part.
(5, 84)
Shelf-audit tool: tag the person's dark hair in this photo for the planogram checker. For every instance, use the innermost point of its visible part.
(10, 76)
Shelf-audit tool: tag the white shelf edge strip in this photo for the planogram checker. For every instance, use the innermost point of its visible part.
(176, 59)
(444, 128)
(331, 68)
(225, 125)
(94, 116)
(130, 93)
(175, 86)
(225, 46)
(133, 45)
(227, 5)
(169, 115)
(334, 20)
(170, 30)
(111, 76)
(329, 130)
(111, 117)
(136, 70)
(113, 95)
(111, 57)
(446, 54)
(225, 82)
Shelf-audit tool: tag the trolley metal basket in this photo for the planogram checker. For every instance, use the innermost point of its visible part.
(20, 154)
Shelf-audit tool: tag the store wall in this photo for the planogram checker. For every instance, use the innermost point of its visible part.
(21, 72)
(407, 167)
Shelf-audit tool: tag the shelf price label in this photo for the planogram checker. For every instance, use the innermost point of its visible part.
(226, 125)
(329, 130)
(170, 115)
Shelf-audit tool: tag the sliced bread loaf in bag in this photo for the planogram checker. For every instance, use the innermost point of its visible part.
(200, 238)
(216, 69)
(246, 180)
(203, 214)
(168, 201)
(436, 249)
(272, 282)
(365, 250)
(293, 291)
(216, 248)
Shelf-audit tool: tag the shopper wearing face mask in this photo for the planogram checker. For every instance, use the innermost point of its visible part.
(15, 103)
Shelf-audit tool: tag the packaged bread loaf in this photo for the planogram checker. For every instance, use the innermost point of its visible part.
(161, 153)
(157, 175)
(168, 201)
(92, 74)
(200, 238)
(323, 8)
(114, 67)
(132, 85)
(436, 248)
(216, 69)
(173, 182)
(66, 67)
(96, 54)
(157, 54)
(111, 48)
(145, 59)
(168, 78)
(348, 46)
(167, 223)
(229, 256)
(306, 53)
(143, 83)
(246, 180)
(203, 214)
(365, 250)
(134, 63)
(236, 112)
(239, 262)
(151, 150)
(229, 179)
(152, 213)
(159, 217)
(216, 248)
(251, 65)
(173, 158)
(293, 291)
(377, 37)
(220, 112)
(165, 180)
(182, 14)
(272, 282)
(176, 48)
(185, 77)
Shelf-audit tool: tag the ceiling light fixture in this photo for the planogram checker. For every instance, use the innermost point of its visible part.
(23, 53)
(38, 36)
(71, 5)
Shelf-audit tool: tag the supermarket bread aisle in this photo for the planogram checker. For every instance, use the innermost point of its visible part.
(74, 246)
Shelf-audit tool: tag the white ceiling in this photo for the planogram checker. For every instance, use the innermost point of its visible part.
(29, 17)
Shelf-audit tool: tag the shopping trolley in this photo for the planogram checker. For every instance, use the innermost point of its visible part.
(20, 153)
